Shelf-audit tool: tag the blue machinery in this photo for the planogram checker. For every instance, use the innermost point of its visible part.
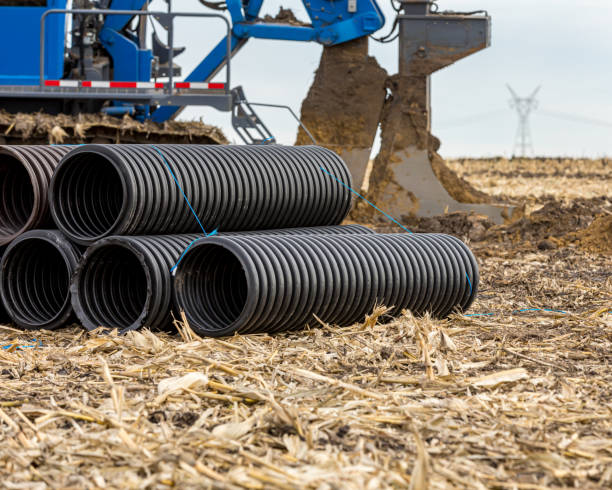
(104, 64)
(105, 47)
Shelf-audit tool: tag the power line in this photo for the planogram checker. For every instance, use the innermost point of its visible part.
(479, 117)
(575, 118)
(471, 119)
(523, 136)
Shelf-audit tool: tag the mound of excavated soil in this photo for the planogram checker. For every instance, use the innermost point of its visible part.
(40, 128)
(463, 225)
(597, 237)
(551, 226)
(552, 222)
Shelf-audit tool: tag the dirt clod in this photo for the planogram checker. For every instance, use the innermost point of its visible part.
(184, 419)
(546, 245)
(285, 16)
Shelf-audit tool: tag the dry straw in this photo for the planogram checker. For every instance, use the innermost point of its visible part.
(516, 401)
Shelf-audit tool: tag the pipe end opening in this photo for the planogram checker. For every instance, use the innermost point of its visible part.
(87, 196)
(112, 289)
(16, 197)
(36, 284)
(212, 287)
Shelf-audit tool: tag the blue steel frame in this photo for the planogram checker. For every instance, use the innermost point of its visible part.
(19, 41)
(333, 22)
(131, 62)
(166, 18)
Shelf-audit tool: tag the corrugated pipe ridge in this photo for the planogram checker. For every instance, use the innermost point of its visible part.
(236, 284)
(25, 173)
(125, 281)
(35, 273)
(3, 314)
(103, 190)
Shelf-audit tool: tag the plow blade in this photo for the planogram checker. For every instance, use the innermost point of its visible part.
(408, 176)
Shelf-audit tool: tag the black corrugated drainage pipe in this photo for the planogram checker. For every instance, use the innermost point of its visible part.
(126, 282)
(103, 190)
(4, 318)
(236, 284)
(25, 173)
(35, 276)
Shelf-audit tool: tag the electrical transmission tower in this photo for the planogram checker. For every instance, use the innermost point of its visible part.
(523, 106)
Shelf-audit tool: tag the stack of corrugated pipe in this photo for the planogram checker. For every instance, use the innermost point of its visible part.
(243, 239)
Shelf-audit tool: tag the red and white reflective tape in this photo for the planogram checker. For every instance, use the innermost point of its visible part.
(97, 84)
(200, 85)
(61, 83)
(154, 85)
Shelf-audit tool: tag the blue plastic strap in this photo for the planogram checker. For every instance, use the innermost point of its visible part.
(359, 195)
(214, 232)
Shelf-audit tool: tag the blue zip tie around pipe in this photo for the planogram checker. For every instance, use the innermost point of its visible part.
(206, 235)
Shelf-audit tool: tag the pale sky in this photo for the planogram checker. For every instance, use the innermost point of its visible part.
(563, 45)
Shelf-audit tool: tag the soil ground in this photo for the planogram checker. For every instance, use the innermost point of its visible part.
(515, 394)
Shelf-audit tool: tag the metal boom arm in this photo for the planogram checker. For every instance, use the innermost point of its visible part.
(332, 23)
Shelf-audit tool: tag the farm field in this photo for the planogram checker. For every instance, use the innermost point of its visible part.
(515, 394)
